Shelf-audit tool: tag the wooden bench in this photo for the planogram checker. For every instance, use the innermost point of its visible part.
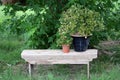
(58, 57)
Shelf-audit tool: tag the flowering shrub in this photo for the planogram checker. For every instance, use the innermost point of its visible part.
(80, 20)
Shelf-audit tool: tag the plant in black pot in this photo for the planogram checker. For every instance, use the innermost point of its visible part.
(81, 22)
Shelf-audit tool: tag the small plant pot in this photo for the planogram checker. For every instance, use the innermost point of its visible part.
(80, 43)
(66, 48)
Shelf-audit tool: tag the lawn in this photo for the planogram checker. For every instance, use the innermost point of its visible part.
(59, 72)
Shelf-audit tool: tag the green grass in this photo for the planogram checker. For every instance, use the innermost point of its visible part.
(53, 73)
(10, 49)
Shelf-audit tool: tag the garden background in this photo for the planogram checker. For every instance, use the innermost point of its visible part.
(33, 24)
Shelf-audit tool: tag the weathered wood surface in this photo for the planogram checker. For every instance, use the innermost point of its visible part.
(58, 57)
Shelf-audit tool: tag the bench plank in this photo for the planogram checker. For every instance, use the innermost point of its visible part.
(58, 57)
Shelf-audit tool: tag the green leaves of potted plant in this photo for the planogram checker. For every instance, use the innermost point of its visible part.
(81, 22)
(65, 42)
(64, 39)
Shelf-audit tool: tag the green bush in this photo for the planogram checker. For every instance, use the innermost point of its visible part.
(78, 20)
(42, 34)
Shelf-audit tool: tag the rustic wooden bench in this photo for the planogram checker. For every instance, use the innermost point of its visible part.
(49, 56)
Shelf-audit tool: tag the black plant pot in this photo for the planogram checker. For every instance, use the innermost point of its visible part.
(80, 43)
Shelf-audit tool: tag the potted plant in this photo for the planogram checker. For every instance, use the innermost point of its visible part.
(64, 39)
(81, 22)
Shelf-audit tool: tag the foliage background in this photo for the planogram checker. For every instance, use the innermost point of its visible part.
(37, 22)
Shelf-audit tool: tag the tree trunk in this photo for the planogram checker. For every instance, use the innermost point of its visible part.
(22, 2)
(9, 1)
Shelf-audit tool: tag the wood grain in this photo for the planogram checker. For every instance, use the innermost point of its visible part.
(58, 57)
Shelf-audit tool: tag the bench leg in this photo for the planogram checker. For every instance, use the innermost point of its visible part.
(30, 69)
(88, 71)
